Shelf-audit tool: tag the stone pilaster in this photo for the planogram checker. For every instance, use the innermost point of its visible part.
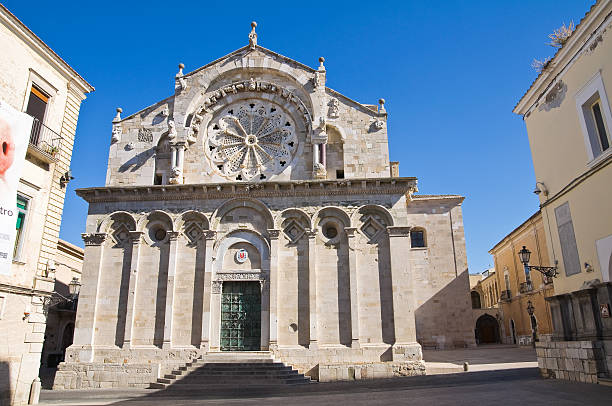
(215, 315)
(85, 327)
(209, 240)
(172, 258)
(273, 286)
(312, 288)
(136, 239)
(404, 303)
(354, 287)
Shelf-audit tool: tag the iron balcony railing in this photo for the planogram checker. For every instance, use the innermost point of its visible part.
(505, 295)
(45, 139)
(526, 287)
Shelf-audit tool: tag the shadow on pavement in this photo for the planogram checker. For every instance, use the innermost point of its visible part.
(365, 386)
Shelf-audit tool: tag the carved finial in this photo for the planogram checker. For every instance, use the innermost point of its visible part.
(253, 36)
(118, 116)
(181, 83)
(321, 66)
(381, 102)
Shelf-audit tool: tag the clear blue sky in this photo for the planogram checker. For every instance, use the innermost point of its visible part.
(450, 71)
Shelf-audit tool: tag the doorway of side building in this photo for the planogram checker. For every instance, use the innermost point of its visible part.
(513, 331)
(241, 316)
(487, 330)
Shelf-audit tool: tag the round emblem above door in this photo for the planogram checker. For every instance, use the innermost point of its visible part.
(241, 256)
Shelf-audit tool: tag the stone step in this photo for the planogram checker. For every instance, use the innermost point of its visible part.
(604, 381)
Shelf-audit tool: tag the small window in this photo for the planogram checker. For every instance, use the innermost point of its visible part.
(157, 180)
(417, 239)
(22, 207)
(339, 174)
(37, 107)
(595, 117)
(600, 126)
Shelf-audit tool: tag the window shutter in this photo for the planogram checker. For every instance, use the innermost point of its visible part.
(567, 238)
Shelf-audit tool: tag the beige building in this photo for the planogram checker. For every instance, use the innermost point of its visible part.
(569, 122)
(34, 79)
(519, 326)
(256, 193)
(484, 293)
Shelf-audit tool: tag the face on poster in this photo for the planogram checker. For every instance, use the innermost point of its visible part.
(15, 128)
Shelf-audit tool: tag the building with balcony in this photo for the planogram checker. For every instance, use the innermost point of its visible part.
(569, 124)
(35, 80)
(517, 325)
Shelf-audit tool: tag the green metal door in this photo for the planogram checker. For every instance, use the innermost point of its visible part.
(241, 316)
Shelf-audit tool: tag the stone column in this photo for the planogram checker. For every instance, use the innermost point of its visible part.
(404, 302)
(215, 315)
(85, 327)
(316, 153)
(172, 156)
(354, 288)
(324, 155)
(135, 239)
(273, 286)
(207, 297)
(172, 257)
(312, 288)
(180, 146)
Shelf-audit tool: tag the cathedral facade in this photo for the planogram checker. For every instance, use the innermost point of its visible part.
(256, 210)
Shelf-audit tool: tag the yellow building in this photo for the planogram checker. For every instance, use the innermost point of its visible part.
(569, 124)
(516, 294)
(484, 292)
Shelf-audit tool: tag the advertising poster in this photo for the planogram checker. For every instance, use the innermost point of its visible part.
(15, 128)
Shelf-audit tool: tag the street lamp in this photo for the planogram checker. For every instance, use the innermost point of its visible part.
(530, 310)
(524, 255)
(74, 287)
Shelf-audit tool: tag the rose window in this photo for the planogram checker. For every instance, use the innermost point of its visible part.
(252, 139)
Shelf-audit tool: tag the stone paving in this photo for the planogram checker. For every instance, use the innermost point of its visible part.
(504, 387)
(482, 358)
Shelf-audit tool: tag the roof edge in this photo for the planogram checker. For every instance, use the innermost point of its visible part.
(531, 218)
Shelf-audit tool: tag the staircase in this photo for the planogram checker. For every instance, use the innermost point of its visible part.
(229, 370)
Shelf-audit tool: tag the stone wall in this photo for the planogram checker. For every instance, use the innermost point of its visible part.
(579, 361)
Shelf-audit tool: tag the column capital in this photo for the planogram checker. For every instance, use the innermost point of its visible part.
(398, 231)
(217, 287)
(210, 234)
(274, 233)
(350, 231)
(173, 235)
(311, 234)
(94, 238)
(136, 236)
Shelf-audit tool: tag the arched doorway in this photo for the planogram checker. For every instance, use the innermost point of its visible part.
(487, 330)
(475, 300)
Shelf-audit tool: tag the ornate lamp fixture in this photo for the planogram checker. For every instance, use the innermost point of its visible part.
(549, 271)
(67, 303)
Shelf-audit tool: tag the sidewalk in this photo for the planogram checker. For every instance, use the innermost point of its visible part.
(483, 358)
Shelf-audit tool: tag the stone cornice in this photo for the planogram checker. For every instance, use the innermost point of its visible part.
(370, 186)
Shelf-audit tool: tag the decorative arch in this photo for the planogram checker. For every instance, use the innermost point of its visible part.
(158, 215)
(363, 211)
(292, 213)
(118, 216)
(192, 216)
(232, 204)
(249, 236)
(331, 211)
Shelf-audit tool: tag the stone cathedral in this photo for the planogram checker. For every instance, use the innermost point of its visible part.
(255, 211)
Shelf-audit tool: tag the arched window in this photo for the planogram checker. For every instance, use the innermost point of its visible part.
(475, 300)
(418, 239)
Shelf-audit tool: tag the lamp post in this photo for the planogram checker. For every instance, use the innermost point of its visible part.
(74, 288)
(530, 310)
